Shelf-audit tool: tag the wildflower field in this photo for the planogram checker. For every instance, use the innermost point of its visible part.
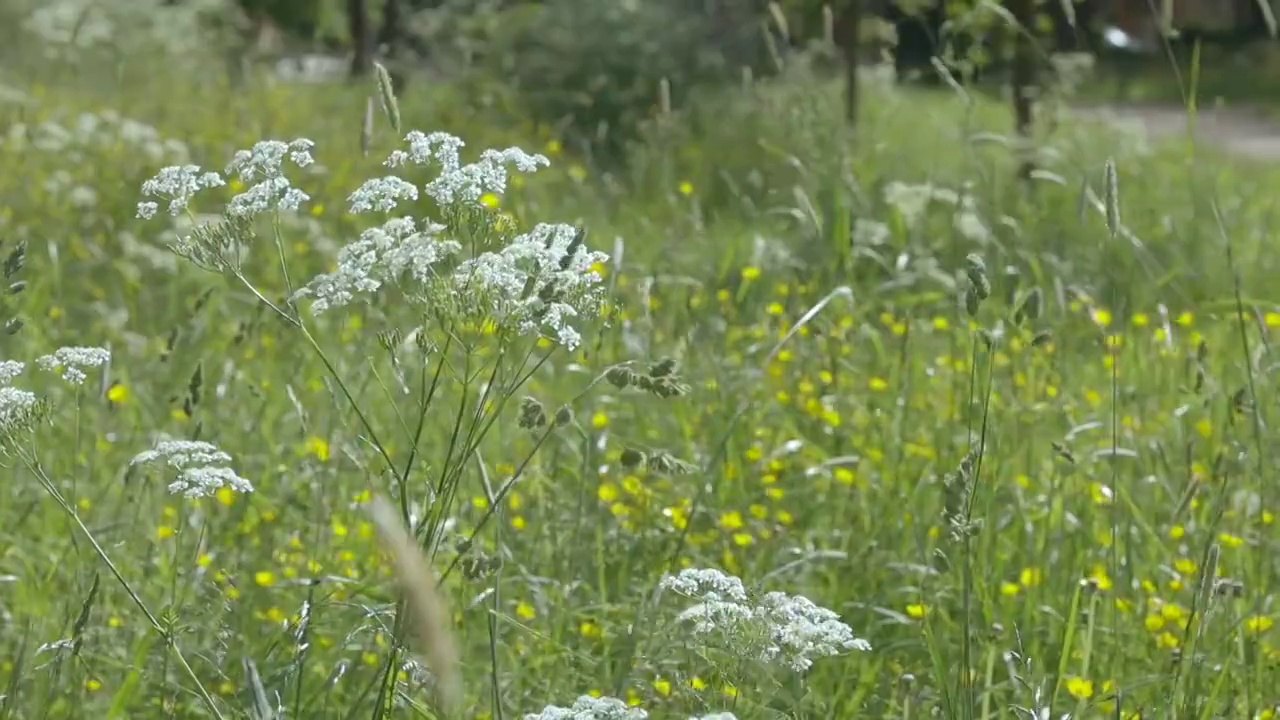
(322, 403)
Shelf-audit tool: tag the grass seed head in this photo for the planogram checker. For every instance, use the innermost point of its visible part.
(387, 92)
(532, 414)
(1112, 198)
(426, 608)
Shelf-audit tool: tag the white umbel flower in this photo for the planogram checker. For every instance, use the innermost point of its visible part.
(704, 583)
(15, 406)
(177, 184)
(802, 631)
(382, 194)
(590, 708)
(73, 360)
(182, 453)
(275, 193)
(9, 370)
(778, 629)
(439, 147)
(469, 182)
(539, 280)
(266, 160)
(20, 409)
(381, 255)
(457, 182)
(200, 467)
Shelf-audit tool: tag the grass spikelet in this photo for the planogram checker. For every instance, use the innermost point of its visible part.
(82, 620)
(261, 708)
(366, 127)
(1031, 307)
(388, 95)
(664, 97)
(780, 19)
(1208, 580)
(1112, 198)
(426, 609)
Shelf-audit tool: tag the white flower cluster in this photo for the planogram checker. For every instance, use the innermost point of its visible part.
(538, 280)
(590, 708)
(382, 194)
(381, 255)
(10, 370)
(457, 182)
(15, 405)
(177, 184)
(541, 279)
(19, 409)
(265, 160)
(72, 361)
(803, 631)
(788, 630)
(200, 465)
(708, 584)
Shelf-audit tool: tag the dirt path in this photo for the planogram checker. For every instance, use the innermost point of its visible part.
(1241, 131)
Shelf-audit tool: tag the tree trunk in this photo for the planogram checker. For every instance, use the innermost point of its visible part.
(1023, 80)
(848, 35)
(361, 38)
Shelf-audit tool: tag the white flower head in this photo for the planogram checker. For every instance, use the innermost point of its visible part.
(382, 194)
(204, 481)
(383, 254)
(469, 182)
(72, 361)
(590, 708)
(182, 453)
(778, 629)
(704, 583)
(200, 467)
(441, 147)
(541, 279)
(457, 182)
(266, 160)
(802, 631)
(267, 157)
(538, 282)
(18, 409)
(10, 369)
(272, 193)
(177, 184)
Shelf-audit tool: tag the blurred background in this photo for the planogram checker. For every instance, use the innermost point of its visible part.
(592, 70)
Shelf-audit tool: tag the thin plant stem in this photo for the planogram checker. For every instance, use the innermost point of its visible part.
(33, 464)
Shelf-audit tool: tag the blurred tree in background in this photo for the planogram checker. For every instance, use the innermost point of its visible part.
(594, 71)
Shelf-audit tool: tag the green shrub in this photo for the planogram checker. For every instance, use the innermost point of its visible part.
(594, 69)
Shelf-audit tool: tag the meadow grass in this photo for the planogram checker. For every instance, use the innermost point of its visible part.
(1018, 441)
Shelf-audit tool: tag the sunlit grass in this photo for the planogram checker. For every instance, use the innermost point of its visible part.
(1122, 553)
